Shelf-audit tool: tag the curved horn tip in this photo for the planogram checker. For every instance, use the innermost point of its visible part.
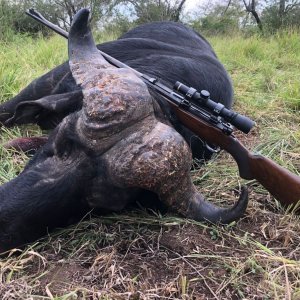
(80, 20)
(242, 203)
(81, 43)
(205, 211)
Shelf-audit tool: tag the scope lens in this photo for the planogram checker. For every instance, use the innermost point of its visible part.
(242, 123)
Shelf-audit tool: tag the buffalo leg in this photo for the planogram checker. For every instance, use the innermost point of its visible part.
(29, 145)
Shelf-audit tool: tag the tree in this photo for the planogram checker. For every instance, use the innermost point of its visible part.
(251, 8)
(66, 9)
(13, 17)
(281, 13)
(218, 17)
(60, 12)
(156, 10)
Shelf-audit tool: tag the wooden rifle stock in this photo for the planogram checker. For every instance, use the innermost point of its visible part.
(281, 183)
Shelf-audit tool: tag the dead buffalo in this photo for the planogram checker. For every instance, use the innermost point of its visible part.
(113, 139)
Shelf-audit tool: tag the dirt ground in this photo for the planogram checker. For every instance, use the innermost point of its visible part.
(141, 255)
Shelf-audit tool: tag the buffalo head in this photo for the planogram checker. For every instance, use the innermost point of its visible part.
(103, 156)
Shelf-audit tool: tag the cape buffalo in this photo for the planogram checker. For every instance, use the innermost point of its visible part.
(113, 138)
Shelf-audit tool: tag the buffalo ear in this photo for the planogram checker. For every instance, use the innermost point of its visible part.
(48, 111)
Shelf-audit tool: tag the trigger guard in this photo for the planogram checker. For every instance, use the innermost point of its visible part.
(213, 149)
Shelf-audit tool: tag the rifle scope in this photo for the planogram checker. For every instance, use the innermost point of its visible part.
(241, 122)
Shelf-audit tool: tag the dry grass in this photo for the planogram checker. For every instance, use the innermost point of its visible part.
(139, 256)
(144, 255)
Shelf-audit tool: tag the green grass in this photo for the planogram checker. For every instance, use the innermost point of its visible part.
(22, 60)
(146, 256)
(25, 59)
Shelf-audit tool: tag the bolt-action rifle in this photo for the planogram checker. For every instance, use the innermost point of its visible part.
(214, 123)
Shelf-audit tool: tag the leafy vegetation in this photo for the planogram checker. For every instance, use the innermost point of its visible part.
(144, 255)
(208, 16)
